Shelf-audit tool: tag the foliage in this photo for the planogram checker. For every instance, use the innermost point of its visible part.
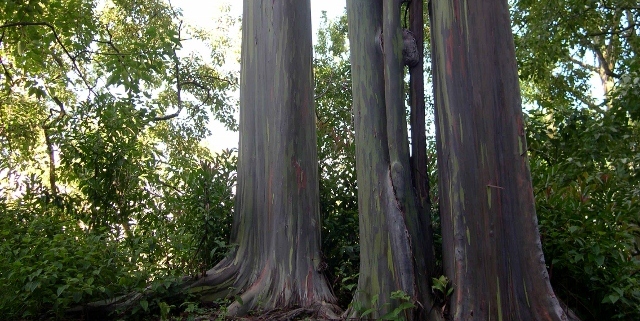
(50, 263)
(53, 263)
(580, 39)
(587, 201)
(204, 215)
(336, 155)
(441, 288)
(584, 153)
(404, 300)
(105, 186)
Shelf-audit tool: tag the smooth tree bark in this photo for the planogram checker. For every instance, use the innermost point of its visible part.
(419, 171)
(277, 262)
(392, 245)
(492, 250)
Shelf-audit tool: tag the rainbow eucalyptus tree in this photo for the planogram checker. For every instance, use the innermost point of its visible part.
(276, 227)
(394, 238)
(492, 251)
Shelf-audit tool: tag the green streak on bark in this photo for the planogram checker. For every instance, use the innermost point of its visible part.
(468, 236)
(526, 293)
(498, 298)
(390, 258)
(521, 145)
(461, 129)
(291, 259)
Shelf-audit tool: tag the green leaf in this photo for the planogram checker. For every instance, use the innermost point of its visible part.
(20, 48)
(366, 312)
(61, 289)
(600, 260)
(113, 79)
(77, 296)
(393, 315)
(619, 291)
(145, 305)
(611, 298)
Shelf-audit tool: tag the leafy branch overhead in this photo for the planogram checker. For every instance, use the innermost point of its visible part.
(355, 186)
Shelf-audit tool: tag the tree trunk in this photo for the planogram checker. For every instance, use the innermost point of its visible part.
(419, 171)
(391, 243)
(276, 221)
(492, 250)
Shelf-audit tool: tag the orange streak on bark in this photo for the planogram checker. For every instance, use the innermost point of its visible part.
(449, 53)
(520, 126)
(456, 10)
(301, 179)
(258, 282)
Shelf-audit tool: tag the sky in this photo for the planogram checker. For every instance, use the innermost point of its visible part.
(203, 14)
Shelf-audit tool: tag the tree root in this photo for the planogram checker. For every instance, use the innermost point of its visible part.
(268, 294)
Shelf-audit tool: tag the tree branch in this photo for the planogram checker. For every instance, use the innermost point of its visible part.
(45, 128)
(6, 74)
(59, 41)
(603, 63)
(605, 5)
(586, 101)
(180, 107)
(583, 65)
(613, 32)
(326, 89)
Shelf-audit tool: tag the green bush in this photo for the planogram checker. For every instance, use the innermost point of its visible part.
(51, 264)
(587, 192)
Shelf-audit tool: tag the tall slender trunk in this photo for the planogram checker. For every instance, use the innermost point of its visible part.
(276, 221)
(492, 250)
(419, 171)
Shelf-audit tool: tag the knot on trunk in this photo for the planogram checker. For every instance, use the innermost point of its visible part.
(410, 54)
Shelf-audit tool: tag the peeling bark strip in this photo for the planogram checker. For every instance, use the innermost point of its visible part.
(392, 247)
(277, 218)
(492, 249)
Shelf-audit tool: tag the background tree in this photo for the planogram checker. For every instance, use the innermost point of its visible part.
(582, 134)
(102, 118)
(336, 157)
